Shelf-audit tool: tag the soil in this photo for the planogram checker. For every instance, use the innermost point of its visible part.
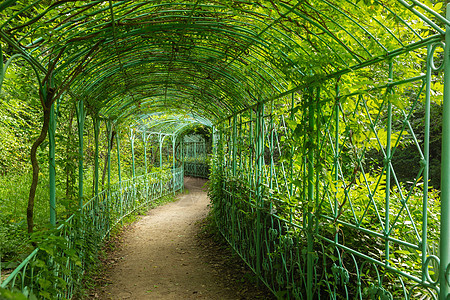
(174, 252)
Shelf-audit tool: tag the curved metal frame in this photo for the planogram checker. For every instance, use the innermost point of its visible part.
(221, 64)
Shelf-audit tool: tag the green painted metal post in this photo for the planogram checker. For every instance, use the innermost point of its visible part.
(318, 109)
(271, 144)
(444, 274)
(220, 150)
(51, 165)
(291, 163)
(1, 74)
(161, 141)
(167, 153)
(426, 163)
(195, 155)
(2, 77)
(336, 157)
(234, 144)
(109, 130)
(214, 143)
(241, 157)
(173, 162)
(387, 165)
(96, 121)
(183, 152)
(119, 172)
(174, 140)
(119, 169)
(144, 139)
(250, 162)
(310, 151)
(132, 136)
(259, 159)
(81, 117)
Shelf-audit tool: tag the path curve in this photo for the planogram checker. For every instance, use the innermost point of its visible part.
(159, 257)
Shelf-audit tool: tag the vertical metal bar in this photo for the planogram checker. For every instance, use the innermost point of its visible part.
(183, 151)
(96, 164)
(387, 163)
(336, 157)
(118, 158)
(310, 151)
(173, 162)
(144, 139)
(174, 139)
(132, 152)
(234, 144)
(1, 75)
(119, 169)
(259, 160)
(317, 156)
(241, 156)
(271, 148)
(444, 275)
(51, 165)
(261, 151)
(120, 175)
(161, 140)
(167, 153)
(221, 152)
(81, 116)
(291, 163)
(109, 130)
(425, 162)
(250, 162)
(195, 156)
(214, 142)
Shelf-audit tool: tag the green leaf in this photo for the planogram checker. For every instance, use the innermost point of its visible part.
(13, 295)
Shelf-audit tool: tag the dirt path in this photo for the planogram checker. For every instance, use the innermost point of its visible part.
(160, 256)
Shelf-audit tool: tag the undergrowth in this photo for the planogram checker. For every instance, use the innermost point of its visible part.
(14, 239)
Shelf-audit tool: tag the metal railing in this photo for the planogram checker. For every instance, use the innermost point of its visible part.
(331, 197)
(56, 267)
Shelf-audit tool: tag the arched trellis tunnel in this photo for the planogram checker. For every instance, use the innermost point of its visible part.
(322, 113)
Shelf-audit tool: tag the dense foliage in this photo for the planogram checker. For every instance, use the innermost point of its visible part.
(319, 108)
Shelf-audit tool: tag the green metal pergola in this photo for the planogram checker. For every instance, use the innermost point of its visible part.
(299, 95)
(159, 127)
(196, 154)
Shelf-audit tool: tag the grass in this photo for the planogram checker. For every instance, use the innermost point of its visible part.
(14, 190)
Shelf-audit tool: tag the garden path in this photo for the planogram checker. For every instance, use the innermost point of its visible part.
(160, 256)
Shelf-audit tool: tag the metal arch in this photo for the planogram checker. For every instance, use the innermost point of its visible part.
(258, 59)
(169, 125)
(250, 30)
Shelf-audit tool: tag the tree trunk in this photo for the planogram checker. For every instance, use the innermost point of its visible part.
(30, 209)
